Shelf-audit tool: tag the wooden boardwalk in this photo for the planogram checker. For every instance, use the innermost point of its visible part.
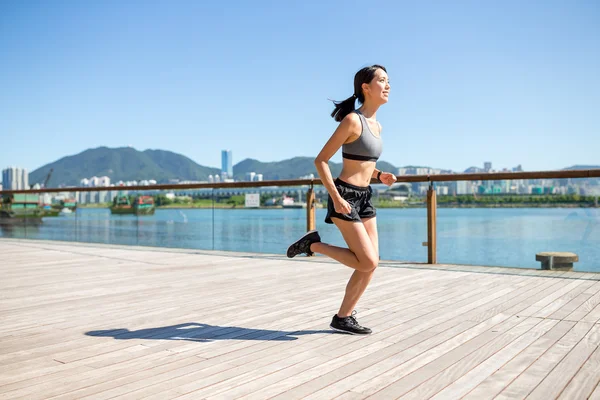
(95, 321)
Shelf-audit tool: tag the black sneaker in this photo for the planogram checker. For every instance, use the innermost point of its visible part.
(302, 246)
(348, 325)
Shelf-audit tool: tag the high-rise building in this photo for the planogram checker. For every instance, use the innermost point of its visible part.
(487, 166)
(5, 179)
(419, 171)
(23, 179)
(464, 187)
(14, 178)
(103, 181)
(227, 163)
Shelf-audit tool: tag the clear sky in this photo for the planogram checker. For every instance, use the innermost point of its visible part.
(511, 82)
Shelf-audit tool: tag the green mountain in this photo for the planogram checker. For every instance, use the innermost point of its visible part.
(128, 164)
(124, 164)
(576, 167)
(293, 168)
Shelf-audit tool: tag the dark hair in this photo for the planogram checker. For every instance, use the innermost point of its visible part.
(365, 75)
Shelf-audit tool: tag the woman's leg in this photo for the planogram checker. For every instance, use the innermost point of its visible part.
(360, 280)
(360, 254)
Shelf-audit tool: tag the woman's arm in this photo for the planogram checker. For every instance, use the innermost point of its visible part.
(350, 126)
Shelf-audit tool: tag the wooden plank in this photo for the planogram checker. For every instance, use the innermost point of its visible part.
(412, 374)
(323, 367)
(562, 301)
(535, 374)
(129, 372)
(593, 316)
(516, 303)
(480, 365)
(366, 367)
(570, 307)
(357, 373)
(595, 394)
(495, 383)
(351, 376)
(350, 396)
(561, 375)
(535, 308)
(585, 380)
(183, 381)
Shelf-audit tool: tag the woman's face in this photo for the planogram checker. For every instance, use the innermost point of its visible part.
(378, 90)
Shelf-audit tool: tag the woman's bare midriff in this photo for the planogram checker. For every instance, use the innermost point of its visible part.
(357, 173)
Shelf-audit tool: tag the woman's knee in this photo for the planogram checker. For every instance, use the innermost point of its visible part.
(368, 263)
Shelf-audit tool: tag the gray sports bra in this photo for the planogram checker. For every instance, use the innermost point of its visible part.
(367, 147)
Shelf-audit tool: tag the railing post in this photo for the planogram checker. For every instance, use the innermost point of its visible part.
(311, 216)
(431, 225)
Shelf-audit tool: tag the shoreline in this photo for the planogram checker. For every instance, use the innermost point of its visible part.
(230, 207)
(497, 206)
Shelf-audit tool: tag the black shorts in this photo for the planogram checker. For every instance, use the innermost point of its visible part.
(359, 198)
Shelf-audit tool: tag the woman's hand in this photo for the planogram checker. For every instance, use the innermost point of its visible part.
(387, 178)
(342, 206)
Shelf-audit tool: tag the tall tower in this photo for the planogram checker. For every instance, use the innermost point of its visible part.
(227, 163)
(12, 178)
(5, 179)
(24, 179)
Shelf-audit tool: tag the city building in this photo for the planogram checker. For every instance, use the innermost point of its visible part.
(104, 181)
(253, 177)
(464, 187)
(14, 178)
(419, 171)
(95, 197)
(226, 163)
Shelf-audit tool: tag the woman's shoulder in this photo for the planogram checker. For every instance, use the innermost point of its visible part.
(352, 119)
(351, 125)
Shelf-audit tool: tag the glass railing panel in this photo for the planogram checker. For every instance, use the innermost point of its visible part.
(506, 223)
(182, 219)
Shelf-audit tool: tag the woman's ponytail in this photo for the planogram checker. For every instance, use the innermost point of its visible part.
(343, 108)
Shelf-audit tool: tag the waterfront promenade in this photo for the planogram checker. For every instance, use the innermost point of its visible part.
(102, 321)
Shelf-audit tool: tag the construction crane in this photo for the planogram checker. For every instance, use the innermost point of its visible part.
(47, 178)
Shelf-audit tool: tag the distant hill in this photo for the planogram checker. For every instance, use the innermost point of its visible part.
(292, 168)
(473, 170)
(124, 163)
(575, 167)
(128, 164)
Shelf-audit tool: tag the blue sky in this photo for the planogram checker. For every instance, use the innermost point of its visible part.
(511, 82)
